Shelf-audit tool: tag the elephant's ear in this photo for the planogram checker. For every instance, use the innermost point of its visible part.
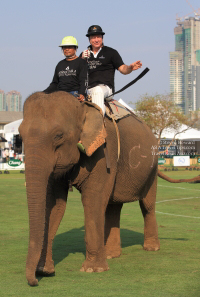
(93, 133)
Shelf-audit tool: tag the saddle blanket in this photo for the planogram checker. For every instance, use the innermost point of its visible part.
(116, 110)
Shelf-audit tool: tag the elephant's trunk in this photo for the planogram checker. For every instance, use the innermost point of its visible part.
(38, 171)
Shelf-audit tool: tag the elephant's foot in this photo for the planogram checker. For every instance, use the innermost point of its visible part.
(46, 270)
(89, 266)
(151, 245)
(33, 282)
(30, 276)
(113, 253)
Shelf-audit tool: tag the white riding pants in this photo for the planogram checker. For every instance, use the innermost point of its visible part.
(98, 94)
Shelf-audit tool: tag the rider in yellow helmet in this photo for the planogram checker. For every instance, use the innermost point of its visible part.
(71, 73)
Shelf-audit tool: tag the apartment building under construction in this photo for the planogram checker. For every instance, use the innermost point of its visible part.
(185, 65)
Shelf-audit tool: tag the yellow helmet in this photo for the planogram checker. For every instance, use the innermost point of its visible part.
(69, 41)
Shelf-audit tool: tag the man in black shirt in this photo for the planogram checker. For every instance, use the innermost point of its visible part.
(102, 63)
(71, 73)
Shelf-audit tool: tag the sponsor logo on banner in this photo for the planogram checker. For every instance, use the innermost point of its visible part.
(14, 163)
(181, 161)
(161, 161)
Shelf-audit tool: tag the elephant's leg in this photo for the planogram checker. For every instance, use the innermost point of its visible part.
(56, 205)
(94, 211)
(147, 205)
(112, 231)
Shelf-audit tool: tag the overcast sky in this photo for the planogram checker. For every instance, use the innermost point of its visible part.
(31, 31)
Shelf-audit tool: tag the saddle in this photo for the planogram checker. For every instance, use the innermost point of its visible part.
(115, 110)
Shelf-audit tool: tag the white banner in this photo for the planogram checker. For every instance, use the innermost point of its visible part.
(181, 160)
(11, 166)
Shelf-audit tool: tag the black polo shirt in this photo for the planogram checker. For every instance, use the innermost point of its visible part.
(102, 68)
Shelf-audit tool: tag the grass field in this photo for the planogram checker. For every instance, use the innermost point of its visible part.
(172, 271)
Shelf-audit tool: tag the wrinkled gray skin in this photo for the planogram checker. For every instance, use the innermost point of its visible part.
(52, 126)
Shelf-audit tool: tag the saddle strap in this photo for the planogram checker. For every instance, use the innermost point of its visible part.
(118, 138)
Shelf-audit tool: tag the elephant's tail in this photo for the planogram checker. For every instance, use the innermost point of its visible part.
(171, 180)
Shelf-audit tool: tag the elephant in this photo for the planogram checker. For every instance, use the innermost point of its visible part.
(52, 126)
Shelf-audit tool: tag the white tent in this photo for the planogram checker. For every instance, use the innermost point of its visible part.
(189, 134)
(12, 127)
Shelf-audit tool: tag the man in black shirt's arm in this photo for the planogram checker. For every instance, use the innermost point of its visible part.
(71, 73)
(102, 63)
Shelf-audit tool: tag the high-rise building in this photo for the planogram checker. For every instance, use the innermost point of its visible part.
(2, 101)
(185, 65)
(13, 101)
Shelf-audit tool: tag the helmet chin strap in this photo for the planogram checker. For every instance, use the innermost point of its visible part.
(70, 57)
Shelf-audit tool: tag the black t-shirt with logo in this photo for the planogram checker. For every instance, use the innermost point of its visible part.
(69, 76)
(102, 68)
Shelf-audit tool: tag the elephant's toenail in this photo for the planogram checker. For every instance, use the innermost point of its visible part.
(89, 270)
(100, 270)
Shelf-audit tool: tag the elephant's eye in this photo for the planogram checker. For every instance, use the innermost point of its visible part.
(59, 136)
(58, 140)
